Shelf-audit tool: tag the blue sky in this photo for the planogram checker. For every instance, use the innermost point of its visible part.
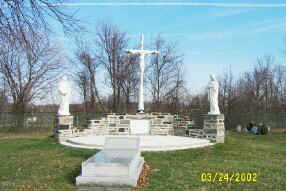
(212, 35)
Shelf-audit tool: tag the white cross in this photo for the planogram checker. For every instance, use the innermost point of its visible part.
(142, 54)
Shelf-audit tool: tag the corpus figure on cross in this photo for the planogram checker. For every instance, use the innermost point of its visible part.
(142, 54)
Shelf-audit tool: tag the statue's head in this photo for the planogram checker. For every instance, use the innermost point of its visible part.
(212, 77)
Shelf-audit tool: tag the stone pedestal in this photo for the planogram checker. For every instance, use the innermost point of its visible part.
(63, 127)
(213, 127)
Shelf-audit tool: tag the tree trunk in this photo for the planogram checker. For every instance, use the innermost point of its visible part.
(19, 115)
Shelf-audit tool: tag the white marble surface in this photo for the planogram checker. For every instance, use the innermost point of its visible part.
(115, 177)
(147, 143)
(64, 91)
(141, 127)
(213, 96)
(118, 164)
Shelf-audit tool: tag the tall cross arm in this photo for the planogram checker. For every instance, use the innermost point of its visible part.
(142, 51)
(132, 51)
(150, 52)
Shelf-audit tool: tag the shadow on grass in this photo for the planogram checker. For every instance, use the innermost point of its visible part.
(84, 154)
(71, 175)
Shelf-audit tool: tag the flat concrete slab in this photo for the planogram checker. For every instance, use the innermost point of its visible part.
(119, 164)
(147, 143)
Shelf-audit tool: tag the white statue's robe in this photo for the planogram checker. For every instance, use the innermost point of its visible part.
(213, 96)
(64, 91)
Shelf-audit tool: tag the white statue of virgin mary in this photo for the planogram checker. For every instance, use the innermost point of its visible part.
(64, 91)
(213, 96)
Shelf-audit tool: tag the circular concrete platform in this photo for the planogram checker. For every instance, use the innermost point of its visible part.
(148, 143)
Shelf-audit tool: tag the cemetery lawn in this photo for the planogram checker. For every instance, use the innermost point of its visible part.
(37, 162)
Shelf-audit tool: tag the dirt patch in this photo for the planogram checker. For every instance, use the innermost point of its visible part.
(143, 178)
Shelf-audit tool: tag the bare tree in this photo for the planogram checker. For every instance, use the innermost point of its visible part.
(256, 92)
(3, 94)
(18, 18)
(175, 95)
(129, 79)
(28, 70)
(82, 80)
(280, 81)
(257, 84)
(86, 76)
(227, 91)
(199, 102)
(111, 44)
(164, 73)
(3, 100)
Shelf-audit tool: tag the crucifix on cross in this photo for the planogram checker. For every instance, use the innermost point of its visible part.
(141, 52)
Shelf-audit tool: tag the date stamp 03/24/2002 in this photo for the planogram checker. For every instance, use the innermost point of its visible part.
(232, 177)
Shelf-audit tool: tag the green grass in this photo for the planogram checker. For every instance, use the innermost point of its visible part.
(37, 162)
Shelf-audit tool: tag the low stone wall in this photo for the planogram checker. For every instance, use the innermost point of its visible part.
(120, 124)
(213, 126)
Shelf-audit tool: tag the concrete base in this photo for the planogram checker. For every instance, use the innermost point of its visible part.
(104, 188)
(119, 164)
(147, 143)
(63, 126)
(213, 127)
(63, 122)
(112, 181)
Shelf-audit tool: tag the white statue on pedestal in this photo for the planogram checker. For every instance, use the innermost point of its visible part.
(64, 91)
(142, 54)
(213, 96)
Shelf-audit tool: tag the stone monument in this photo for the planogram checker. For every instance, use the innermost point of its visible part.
(142, 54)
(63, 121)
(116, 167)
(64, 91)
(213, 122)
(213, 96)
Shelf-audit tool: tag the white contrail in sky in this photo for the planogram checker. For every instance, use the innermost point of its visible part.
(194, 4)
